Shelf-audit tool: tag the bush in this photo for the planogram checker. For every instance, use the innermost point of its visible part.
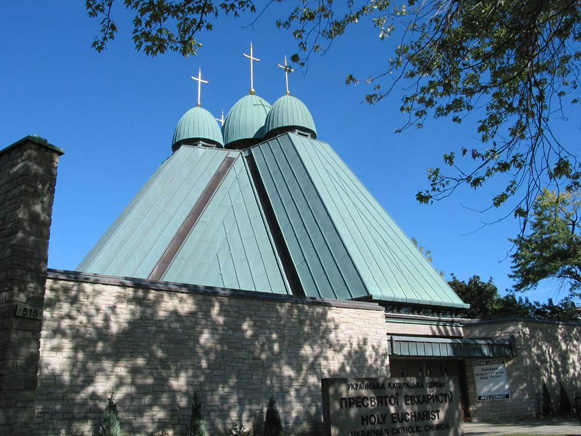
(272, 422)
(109, 425)
(258, 422)
(546, 404)
(239, 431)
(565, 405)
(197, 427)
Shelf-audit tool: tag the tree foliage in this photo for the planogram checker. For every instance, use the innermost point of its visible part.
(482, 296)
(109, 425)
(425, 252)
(486, 303)
(546, 402)
(196, 427)
(162, 25)
(272, 420)
(514, 63)
(552, 248)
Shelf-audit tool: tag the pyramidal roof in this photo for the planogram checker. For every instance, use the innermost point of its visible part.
(197, 220)
(284, 216)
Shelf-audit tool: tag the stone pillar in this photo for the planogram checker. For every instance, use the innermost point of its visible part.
(28, 170)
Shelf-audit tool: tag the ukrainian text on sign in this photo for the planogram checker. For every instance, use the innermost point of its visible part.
(391, 406)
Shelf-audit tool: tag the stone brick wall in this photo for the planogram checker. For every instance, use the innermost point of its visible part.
(155, 345)
(547, 352)
(27, 180)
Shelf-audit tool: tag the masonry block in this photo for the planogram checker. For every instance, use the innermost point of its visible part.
(27, 181)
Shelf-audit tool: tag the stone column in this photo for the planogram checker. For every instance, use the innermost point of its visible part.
(28, 170)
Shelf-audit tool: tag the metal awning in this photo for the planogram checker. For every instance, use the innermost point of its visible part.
(407, 346)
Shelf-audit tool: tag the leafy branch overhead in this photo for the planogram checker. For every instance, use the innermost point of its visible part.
(515, 64)
(162, 25)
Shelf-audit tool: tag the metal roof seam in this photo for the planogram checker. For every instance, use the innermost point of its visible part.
(264, 226)
(419, 259)
(105, 240)
(251, 265)
(129, 213)
(355, 229)
(296, 262)
(318, 225)
(364, 199)
(194, 212)
(210, 214)
(302, 140)
(160, 205)
(286, 268)
(362, 217)
(325, 268)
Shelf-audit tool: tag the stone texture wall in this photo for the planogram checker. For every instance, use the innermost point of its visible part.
(154, 346)
(27, 180)
(547, 352)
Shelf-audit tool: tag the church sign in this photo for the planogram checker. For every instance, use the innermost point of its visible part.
(391, 406)
(491, 380)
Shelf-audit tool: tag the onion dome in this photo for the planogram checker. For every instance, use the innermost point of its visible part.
(289, 113)
(244, 124)
(197, 125)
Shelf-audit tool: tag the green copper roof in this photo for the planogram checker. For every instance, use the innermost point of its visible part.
(444, 347)
(284, 216)
(197, 124)
(323, 265)
(289, 113)
(342, 243)
(246, 119)
(229, 245)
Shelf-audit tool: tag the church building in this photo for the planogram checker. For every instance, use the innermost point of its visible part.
(252, 264)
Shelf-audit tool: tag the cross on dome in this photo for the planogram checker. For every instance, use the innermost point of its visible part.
(287, 70)
(252, 58)
(200, 81)
(221, 120)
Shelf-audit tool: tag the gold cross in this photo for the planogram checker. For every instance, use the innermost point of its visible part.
(221, 119)
(200, 81)
(287, 70)
(252, 58)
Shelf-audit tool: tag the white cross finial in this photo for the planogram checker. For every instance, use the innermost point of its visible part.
(200, 81)
(252, 58)
(287, 70)
(221, 119)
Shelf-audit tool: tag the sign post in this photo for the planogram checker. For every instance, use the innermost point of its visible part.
(391, 406)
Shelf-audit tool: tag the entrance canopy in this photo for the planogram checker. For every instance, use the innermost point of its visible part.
(405, 346)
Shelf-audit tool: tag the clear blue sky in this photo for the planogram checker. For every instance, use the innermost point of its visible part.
(114, 114)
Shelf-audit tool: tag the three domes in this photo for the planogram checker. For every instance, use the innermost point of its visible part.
(250, 120)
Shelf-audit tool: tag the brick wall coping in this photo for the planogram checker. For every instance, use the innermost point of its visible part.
(38, 141)
(476, 322)
(129, 282)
